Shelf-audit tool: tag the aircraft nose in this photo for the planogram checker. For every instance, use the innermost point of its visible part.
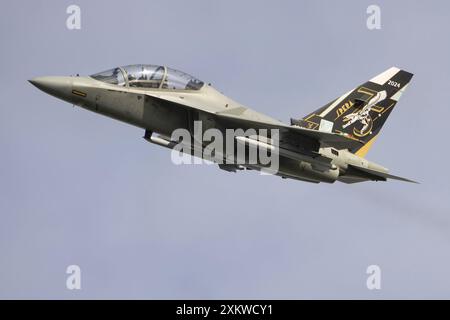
(60, 87)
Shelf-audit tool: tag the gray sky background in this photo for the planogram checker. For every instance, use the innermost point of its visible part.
(79, 188)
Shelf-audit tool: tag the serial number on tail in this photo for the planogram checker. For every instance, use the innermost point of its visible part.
(394, 84)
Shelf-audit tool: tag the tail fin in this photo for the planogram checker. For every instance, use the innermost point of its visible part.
(360, 113)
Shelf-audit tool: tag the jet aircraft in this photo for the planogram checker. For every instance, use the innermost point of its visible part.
(327, 145)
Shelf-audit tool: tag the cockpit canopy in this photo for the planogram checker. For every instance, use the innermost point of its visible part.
(149, 76)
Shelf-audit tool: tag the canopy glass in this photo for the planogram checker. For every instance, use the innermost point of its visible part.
(149, 76)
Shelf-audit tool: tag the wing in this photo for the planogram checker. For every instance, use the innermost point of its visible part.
(295, 142)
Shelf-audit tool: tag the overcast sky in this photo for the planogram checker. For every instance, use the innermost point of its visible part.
(80, 188)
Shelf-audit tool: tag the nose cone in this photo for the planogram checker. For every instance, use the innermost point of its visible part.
(60, 87)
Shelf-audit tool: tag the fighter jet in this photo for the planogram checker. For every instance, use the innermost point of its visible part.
(327, 145)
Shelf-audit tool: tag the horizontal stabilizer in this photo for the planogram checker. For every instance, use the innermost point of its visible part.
(378, 175)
